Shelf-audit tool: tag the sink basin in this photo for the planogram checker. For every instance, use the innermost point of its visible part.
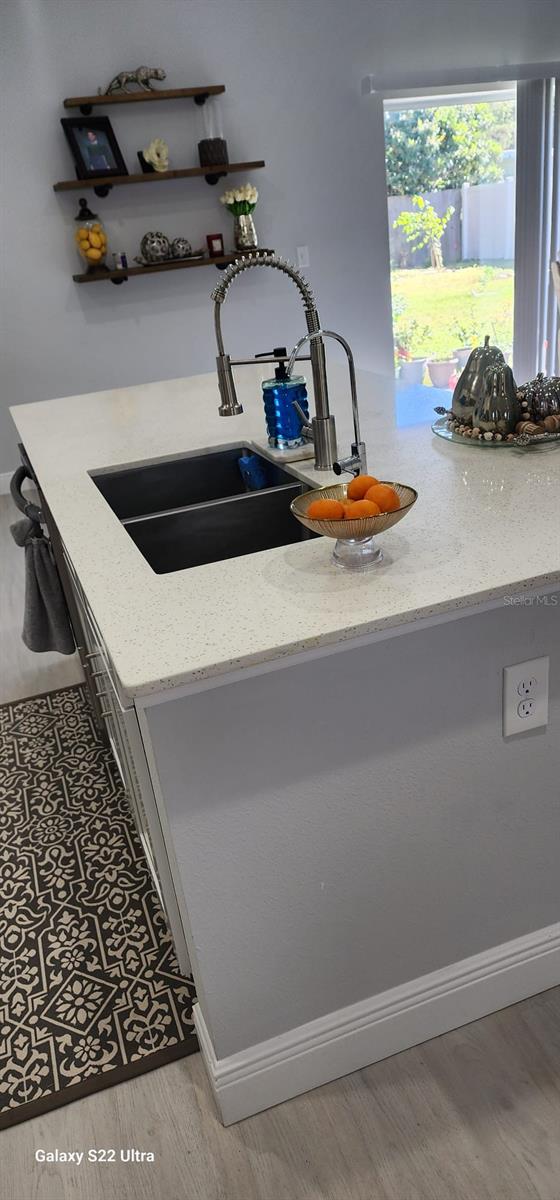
(178, 482)
(187, 511)
(221, 529)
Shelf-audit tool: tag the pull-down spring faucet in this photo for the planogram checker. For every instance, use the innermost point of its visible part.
(321, 430)
(323, 425)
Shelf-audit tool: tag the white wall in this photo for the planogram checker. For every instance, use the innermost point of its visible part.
(292, 72)
(292, 98)
(357, 822)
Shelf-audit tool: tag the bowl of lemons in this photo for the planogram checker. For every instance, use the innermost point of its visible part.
(354, 514)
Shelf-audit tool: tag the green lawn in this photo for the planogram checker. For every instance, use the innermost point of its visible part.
(479, 297)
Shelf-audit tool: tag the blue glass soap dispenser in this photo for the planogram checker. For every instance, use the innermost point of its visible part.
(283, 423)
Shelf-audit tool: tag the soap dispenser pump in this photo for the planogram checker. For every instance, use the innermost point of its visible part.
(283, 421)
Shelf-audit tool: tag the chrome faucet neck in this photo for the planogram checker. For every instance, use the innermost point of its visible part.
(356, 463)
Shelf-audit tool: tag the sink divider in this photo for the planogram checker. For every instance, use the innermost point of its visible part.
(168, 512)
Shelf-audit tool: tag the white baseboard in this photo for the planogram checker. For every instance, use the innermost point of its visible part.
(363, 1033)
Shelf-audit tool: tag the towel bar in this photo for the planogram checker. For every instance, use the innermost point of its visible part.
(30, 510)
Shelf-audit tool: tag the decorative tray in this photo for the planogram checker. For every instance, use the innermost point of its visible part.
(521, 441)
(144, 262)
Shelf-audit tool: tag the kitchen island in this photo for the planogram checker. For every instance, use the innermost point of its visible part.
(351, 856)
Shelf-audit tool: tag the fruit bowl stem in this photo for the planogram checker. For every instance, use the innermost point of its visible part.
(357, 554)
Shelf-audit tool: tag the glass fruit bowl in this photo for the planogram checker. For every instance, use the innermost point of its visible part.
(355, 548)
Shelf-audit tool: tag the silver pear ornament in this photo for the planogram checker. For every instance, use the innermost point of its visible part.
(470, 384)
(497, 410)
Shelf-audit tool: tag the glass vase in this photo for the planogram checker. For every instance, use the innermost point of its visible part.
(244, 232)
(90, 238)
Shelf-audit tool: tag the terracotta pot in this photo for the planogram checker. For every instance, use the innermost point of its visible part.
(440, 372)
(412, 370)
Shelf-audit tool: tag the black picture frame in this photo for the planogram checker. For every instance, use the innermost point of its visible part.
(94, 158)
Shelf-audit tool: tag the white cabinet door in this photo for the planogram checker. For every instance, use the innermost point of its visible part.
(128, 752)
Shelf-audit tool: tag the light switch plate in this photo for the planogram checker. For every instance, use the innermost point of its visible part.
(525, 701)
(302, 257)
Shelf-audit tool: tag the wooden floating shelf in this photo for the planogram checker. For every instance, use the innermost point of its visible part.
(100, 181)
(89, 102)
(221, 260)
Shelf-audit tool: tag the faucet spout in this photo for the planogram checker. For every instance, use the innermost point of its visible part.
(323, 425)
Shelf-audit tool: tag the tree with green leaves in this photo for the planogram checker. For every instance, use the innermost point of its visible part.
(446, 146)
(425, 228)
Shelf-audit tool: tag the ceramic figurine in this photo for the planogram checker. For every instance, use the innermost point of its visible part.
(157, 154)
(142, 76)
(497, 409)
(155, 247)
(470, 384)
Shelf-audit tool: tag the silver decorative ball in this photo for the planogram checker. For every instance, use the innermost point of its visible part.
(180, 247)
(155, 247)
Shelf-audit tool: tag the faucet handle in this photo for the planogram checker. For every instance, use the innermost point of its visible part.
(355, 464)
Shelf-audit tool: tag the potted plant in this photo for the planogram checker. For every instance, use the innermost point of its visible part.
(440, 371)
(411, 368)
(465, 332)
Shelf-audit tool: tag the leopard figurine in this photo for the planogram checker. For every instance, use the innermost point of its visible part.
(142, 76)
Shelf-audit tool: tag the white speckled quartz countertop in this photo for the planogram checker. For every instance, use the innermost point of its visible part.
(485, 527)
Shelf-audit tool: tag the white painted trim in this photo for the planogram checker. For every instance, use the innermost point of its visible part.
(292, 659)
(363, 1033)
(472, 94)
(410, 82)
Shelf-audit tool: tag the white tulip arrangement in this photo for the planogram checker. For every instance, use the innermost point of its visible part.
(240, 201)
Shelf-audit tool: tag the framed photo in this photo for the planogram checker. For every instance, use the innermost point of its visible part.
(215, 244)
(94, 147)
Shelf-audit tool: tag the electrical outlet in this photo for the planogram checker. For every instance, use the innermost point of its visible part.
(525, 696)
(302, 257)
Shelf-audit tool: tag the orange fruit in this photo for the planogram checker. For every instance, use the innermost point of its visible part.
(325, 510)
(361, 508)
(385, 496)
(358, 487)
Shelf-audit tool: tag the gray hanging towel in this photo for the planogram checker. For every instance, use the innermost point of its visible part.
(46, 624)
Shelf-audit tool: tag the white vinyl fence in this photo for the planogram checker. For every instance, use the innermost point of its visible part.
(481, 228)
(488, 220)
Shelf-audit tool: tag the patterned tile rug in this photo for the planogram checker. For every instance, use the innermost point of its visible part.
(90, 989)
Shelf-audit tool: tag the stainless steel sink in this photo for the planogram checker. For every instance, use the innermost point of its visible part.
(188, 511)
(174, 483)
(218, 530)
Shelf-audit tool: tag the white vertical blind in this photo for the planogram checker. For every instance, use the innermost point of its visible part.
(537, 223)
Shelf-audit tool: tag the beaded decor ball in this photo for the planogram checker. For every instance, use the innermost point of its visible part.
(155, 247)
(181, 247)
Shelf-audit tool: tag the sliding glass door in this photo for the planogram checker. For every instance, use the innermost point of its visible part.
(451, 200)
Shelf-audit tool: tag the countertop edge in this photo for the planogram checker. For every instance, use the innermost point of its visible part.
(230, 670)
